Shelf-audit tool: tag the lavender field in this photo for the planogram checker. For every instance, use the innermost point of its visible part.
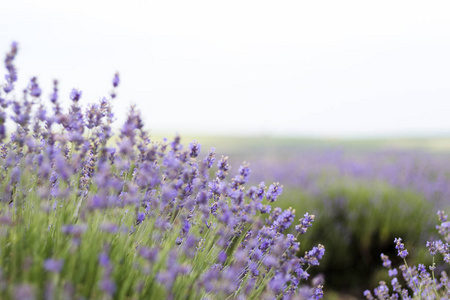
(94, 210)
(90, 212)
(365, 194)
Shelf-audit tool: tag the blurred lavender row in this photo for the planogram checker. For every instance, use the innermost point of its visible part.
(310, 170)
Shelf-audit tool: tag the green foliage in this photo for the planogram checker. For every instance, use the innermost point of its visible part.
(35, 234)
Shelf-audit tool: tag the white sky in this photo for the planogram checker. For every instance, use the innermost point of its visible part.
(315, 68)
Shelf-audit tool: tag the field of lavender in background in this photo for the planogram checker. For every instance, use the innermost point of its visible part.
(364, 193)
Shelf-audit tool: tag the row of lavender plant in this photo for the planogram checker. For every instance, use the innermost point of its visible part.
(418, 281)
(414, 170)
(364, 199)
(88, 215)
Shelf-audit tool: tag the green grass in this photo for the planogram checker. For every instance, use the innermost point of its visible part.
(35, 234)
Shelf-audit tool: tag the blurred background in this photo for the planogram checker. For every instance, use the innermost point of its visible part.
(345, 103)
(314, 68)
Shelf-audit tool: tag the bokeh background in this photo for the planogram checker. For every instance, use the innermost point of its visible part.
(346, 103)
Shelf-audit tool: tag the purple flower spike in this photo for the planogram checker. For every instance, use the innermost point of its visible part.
(24, 292)
(54, 95)
(223, 164)
(386, 262)
(11, 77)
(209, 160)
(53, 265)
(402, 252)
(274, 191)
(15, 175)
(75, 95)
(318, 292)
(103, 259)
(368, 295)
(393, 273)
(284, 220)
(305, 223)
(432, 248)
(222, 257)
(109, 227)
(243, 176)
(194, 149)
(108, 286)
(76, 230)
(116, 80)
(277, 284)
(34, 88)
(186, 227)
(313, 256)
(8, 87)
(140, 217)
(149, 254)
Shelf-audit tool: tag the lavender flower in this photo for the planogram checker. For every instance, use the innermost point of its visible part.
(106, 283)
(402, 252)
(11, 77)
(116, 80)
(54, 95)
(194, 149)
(284, 220)
(76, 230)
(393, 273)
(421, 282)
(368, 295)
(386, 262)
(313, 256)
(305, 223)
(140, 217)
(318, 292)
(108, 286)
(274, 191)
(223, 166)
(15, 175)
(149, 254)
(35, 91)
(53, 265)
(222, 257)
(432, 247)
(209, 160)
(109, 227)
(75, 95)
(24, 292)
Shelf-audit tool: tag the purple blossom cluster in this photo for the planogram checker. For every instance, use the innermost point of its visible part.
(191, 235)
(420, 282)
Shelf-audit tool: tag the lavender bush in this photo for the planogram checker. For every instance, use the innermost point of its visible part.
(87, 214)
(364, 198)
(417, 282)
(357, 222)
